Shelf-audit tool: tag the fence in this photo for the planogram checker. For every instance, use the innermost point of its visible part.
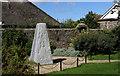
(61, 65)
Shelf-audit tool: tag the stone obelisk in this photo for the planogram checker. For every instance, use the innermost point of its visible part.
(41, 52)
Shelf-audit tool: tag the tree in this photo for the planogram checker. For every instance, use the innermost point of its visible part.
(116, 32)
(91, 21)
(85, 42)
(68, 23)
(94, 42)
(105, 43)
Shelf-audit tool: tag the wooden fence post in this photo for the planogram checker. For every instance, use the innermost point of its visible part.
(85, 58)
(77, 61)
(38, 68)
(60, 65)
(109, 58)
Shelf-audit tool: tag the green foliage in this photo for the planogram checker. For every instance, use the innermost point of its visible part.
(70, 52)
(68, 23)
(14, 60)
(91, 21)
(15, 51)
(93, 42)
(105, 42)
(13, 37)
(76, 23)
(84, 42)
(116, 32)
(28, 47)
(52, 46)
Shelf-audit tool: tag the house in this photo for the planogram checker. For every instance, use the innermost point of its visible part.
(24, 13)
(111, 18)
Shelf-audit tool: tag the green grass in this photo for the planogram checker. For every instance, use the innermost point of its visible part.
(106, 57)
(92, 68)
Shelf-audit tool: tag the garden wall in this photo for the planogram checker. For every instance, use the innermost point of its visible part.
(60, 36)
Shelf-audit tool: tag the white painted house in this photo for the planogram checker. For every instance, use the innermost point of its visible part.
(111, 18)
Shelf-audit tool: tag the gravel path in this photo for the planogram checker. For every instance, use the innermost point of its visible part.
(66, 63)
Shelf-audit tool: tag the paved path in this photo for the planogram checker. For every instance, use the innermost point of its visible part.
(66, 63)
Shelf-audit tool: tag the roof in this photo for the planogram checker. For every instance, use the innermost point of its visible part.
(98, 16)
(110, 19)
(108, 15)
(118, 3)
(25, 13)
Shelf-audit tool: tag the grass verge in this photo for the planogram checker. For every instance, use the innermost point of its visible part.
(114, 56)
(92, 68)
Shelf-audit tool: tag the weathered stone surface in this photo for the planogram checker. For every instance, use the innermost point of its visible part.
(40, 52)
(109, 24)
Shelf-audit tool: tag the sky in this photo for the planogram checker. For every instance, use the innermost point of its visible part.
(75, 10)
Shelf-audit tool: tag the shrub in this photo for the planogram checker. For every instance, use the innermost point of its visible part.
(70, 52)
(116, 32)
(52, 46)
(105, 43)
(15, 50)
(84, 42)
(28, 46)
(14, 37)
(93, 42)
(14, 60)
(68, 23)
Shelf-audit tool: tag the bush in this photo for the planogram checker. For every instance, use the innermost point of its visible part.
(116, 32)
(14, 60)
(70, 52)
(93, 42)
(52, 46)
(13, 37)
(28, 47)
(105, 43)
(68, 23)
(85, 42)
(16, 48)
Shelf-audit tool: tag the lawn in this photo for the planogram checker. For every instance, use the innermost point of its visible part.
(92, 68)
(114, 56)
